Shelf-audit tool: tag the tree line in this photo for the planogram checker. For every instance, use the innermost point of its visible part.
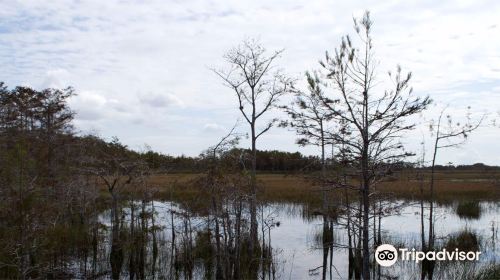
(272, 161)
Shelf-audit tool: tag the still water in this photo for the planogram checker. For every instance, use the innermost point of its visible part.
(298, 251)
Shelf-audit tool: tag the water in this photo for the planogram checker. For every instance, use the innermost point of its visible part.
(297, 247)
(295, 236)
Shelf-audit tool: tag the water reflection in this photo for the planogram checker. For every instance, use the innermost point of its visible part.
(162, 240)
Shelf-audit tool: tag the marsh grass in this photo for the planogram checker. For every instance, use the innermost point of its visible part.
(469, 210)
(450, 186)
(489, 272)
(465, 240)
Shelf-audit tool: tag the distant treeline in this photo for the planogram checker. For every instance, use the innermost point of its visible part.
(272, 161)
(475, 166)
(267, 161)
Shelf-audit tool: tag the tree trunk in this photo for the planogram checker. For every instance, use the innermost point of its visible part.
(323, 170)
(366, 209)
(253, 196)
(431, 206)
(422, 224)
(366, 245)
(218, 266)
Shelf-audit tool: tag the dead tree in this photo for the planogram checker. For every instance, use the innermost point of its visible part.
(116, 167)
(258, 87)
(376, 118)
(448, 134)
(216, 181)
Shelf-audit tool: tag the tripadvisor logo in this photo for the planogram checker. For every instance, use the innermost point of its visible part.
(387, 255)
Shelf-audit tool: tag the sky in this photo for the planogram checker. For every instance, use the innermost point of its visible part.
(141, 69)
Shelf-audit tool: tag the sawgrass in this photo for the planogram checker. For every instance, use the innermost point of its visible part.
(449, 186)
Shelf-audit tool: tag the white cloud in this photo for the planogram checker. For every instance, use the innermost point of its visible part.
(212, 127)
(160, 100)
(56, 78)
(89, 106)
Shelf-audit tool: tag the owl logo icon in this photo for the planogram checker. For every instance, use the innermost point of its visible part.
(386, 255)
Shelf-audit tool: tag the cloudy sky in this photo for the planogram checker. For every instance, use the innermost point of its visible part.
(141, 68)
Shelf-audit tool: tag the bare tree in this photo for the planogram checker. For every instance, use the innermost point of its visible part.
(216, 182)
(448, 134)
(257, 86)
(117, 168)
(377, 119)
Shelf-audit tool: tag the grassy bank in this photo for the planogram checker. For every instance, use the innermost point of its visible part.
(295, 188)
